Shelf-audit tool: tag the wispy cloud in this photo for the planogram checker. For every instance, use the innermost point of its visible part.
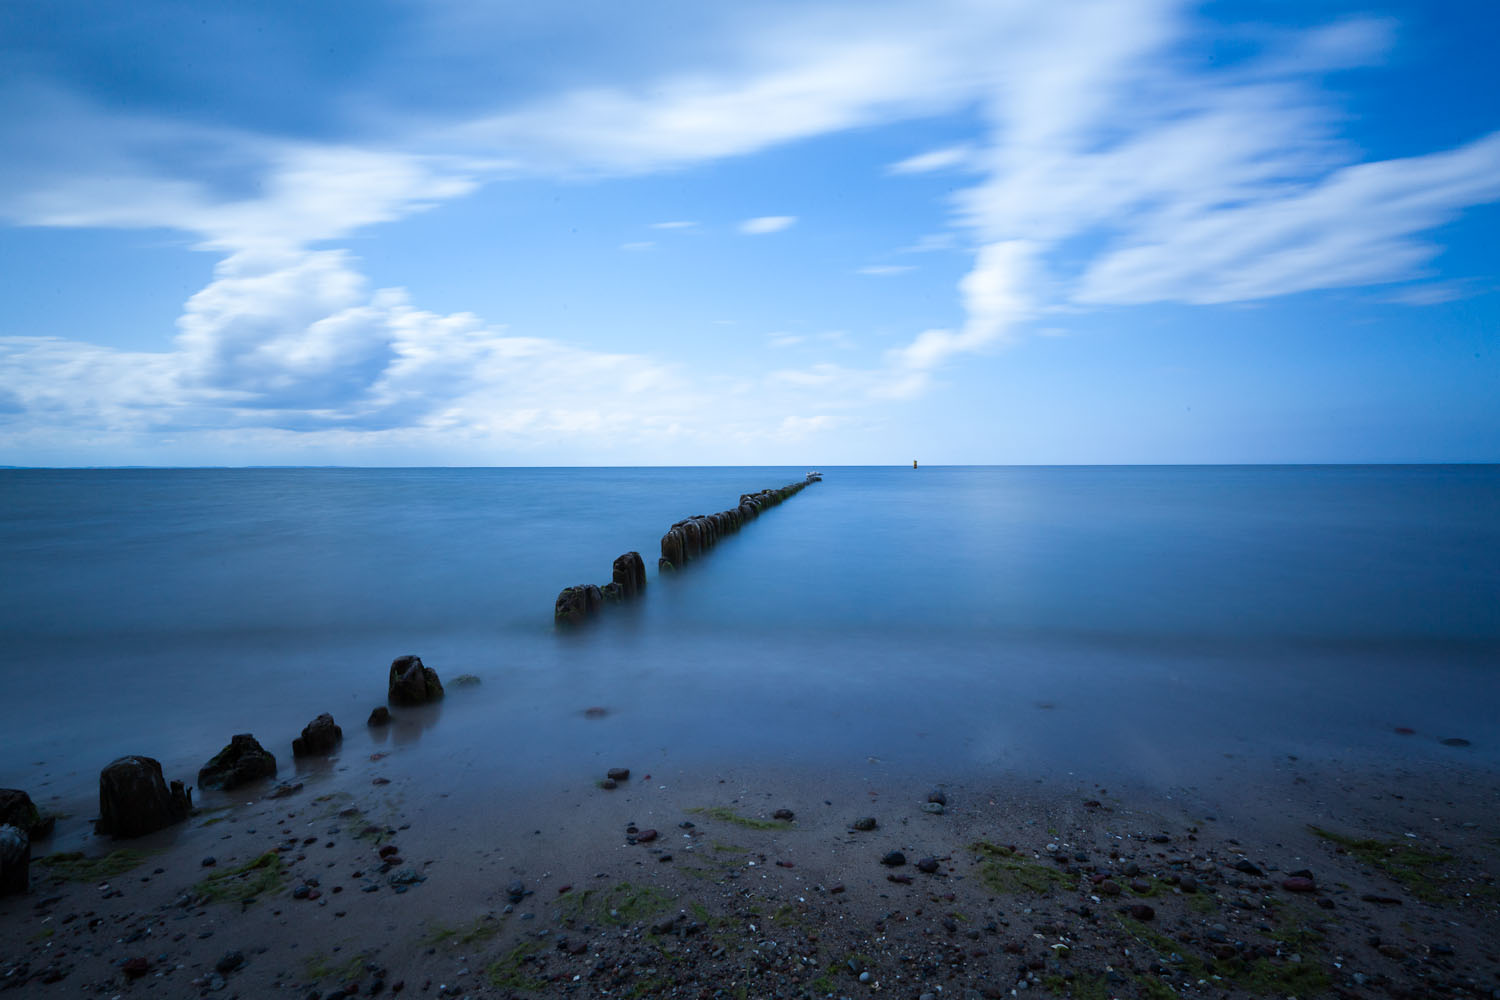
(767, 224)
(886, 270)
(937, 159)
(674, 225)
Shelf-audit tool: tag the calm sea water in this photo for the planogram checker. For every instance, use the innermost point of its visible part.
(1144, 621)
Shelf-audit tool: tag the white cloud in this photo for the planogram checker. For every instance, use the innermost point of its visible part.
(886, 270)
(674, 225)
(937, 159)
(785, 339)
(767, 224)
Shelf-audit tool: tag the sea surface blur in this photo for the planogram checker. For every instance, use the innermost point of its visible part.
(1143, 622)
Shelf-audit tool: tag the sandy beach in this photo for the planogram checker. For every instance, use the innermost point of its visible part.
(1284, 878)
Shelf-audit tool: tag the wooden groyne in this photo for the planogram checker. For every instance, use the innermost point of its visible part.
(685, 541)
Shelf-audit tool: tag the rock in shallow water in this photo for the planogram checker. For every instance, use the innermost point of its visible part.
(242, 761)
(320, 736)
(17, 809)
(411, 683)
(134, 798)
(15, 860)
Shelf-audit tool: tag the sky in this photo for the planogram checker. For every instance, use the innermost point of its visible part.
(451, 232)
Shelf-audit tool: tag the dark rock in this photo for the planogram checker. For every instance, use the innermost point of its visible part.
(786, 815)
(516, 891)
(608, 784)
(320, 737)
(611, 593)
(1188, 884)
(575, 605)
(1297, 883)
(646, 836)
(411, 683)
(1142, 912)
(1456, 741)
(1244, 865)
(1109, 887)
(865, 823)
(1140, 885)
(15, 860)
(135, 968)
(242, 761)
(1371, 897)
(379, 716)
(284, 790)
(928, 865)
(618, 774)
(629, 573)
(17, 809)
(939, 796)
(135, 800)
(229, 961)
(895, 859)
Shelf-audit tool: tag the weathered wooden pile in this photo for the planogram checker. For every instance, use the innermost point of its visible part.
(576, 604)
(685, 541)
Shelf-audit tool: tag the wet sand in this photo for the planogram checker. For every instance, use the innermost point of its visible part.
(375, 878)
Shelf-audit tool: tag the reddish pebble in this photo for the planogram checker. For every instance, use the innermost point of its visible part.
(1298, 883)
(1405, 731)
(785, 864)
(381, 781)
(646, 836)
(837, 889)
(563, 888)
(313, 894)
(135, 968)
(902, 879)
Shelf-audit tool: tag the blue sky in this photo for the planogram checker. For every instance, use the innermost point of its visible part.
(453, 232)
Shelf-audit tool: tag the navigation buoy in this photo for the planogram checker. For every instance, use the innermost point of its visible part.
(914, 463)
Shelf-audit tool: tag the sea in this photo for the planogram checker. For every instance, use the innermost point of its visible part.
(1133, 623)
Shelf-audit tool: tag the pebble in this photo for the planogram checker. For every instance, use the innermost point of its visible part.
(1456, 741)
(893, 859)
(229, 961)
(1187, 883)
(618, 774)
(608, 783)
(209, 861)
(928, 865)
(1140, 885)
(1142, 912)
(932, 807)
(786, 815)
(939, 796)
(1248, 867)
(1299, 883)
(865, 823)
(646, 836)
(1109, 887)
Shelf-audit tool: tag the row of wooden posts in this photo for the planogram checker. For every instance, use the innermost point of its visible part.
(688, 539)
